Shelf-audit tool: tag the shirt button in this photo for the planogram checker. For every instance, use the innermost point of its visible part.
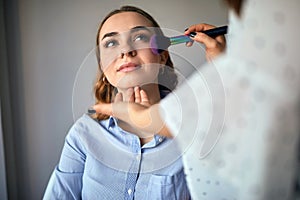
(137, 157)
(160, 139)
(129, 191)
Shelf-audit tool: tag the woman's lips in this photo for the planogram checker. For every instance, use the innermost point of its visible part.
(128, 67)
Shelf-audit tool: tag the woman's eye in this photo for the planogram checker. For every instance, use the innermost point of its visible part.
(110, 43)
(142, 37)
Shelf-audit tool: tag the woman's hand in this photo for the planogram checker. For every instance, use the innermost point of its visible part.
(214, 46)
(137, 111)
(134, 95)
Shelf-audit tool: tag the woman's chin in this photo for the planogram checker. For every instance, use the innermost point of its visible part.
(140, 81)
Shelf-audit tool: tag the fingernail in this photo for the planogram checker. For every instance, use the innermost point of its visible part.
(192, 34)
(91, 111)
(186, 29)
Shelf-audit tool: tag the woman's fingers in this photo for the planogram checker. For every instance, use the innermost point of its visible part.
(137, 95)
(129, 95)
(104, 108)
(133, 95)
(141, 96)
(144, 98)
(118, 97)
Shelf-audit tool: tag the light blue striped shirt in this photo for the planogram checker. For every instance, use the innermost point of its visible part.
(101, 161)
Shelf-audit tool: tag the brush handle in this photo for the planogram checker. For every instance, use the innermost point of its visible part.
(161, 43)
(222, 30)
(211, 32)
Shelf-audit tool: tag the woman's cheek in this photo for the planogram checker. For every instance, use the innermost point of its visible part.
(107, 59)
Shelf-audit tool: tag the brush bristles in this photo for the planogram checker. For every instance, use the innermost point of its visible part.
(159, 43)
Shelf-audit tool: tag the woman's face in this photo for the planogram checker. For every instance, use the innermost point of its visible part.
(126, 58)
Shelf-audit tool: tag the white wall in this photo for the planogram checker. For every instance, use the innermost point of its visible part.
(55, 38)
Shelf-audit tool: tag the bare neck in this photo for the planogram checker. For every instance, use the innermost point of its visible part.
(152, 91)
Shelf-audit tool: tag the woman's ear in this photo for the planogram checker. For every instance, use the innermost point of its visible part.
(164, 57)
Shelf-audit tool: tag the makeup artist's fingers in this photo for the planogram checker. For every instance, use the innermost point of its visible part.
(118, 97)
(193, 28)
(198, 28)
(206, 40)
(213, 46)
(210, 43)
(222, 40)
(189, 44)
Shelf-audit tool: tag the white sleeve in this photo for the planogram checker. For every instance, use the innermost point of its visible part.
(240, 140)
(243, 140)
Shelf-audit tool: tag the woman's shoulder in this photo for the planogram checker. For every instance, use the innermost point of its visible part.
(85, 121)
(87, 132)
(86, 126)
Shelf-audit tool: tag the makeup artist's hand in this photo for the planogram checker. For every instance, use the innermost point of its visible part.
(214, 46)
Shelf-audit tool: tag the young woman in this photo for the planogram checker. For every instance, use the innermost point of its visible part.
(102, 157)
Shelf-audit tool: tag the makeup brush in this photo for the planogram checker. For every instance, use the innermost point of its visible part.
(160, 43)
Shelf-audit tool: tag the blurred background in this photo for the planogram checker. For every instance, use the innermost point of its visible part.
(45, 48)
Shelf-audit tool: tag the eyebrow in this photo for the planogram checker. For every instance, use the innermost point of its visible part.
(138, 28)
(110, 34)
(134, 29)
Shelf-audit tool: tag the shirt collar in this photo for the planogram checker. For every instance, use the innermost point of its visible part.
(154, 142)
(112, 122)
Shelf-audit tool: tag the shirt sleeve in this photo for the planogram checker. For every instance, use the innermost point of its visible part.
(66, 180)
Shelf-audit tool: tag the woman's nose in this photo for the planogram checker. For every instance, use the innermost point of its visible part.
(128, 50)
(130, 53)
